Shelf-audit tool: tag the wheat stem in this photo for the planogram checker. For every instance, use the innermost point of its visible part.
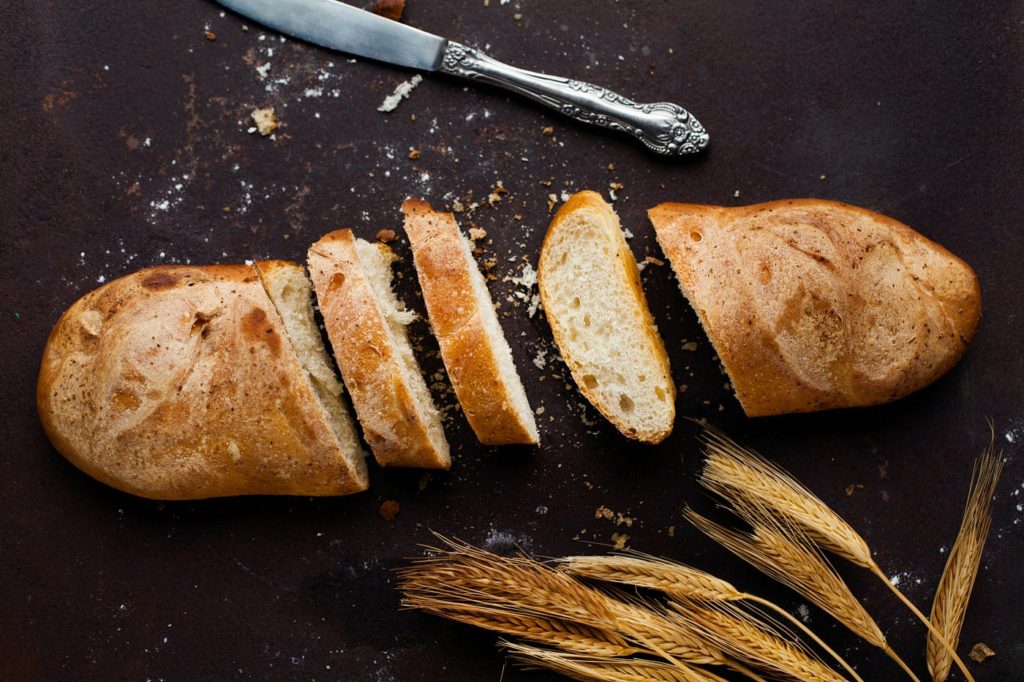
(921, 617)
(949, 607)
(806, 630)
(894, 656)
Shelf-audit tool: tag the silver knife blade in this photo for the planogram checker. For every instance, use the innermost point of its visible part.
(344, 28)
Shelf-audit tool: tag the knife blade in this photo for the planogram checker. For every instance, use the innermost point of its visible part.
(663, 127)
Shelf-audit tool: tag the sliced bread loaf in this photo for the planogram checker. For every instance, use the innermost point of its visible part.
(473, 346)
(181, 383)
(591, 293)
(366, 325)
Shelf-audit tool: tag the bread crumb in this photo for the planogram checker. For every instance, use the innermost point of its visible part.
(389, 509)
(552, 200)
(391, 9)
(626, 232)
(386, 236)
(210, 35)
(547, 131)
(853, 487)
(620, 540)
(402, 91)
(414, 153)
(603, 512)
(689, 345)
(981, 651)
(265, 120)
(654, 261)
(475, 233)
(671, 531)
(496, 193)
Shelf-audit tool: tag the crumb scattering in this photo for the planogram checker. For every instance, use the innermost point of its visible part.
(476, 233)
(266, 121)
(391, 9)
(402, 91)
(620, 540)
(389, 509)
(386, 236)
(980, 652)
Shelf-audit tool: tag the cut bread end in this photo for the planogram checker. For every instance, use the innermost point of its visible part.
(376, 260)
(473, 345)
(591, 292)
(291, 293)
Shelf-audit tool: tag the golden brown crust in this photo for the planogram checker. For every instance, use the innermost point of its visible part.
(592, 201)
(393, 424)
(471, 361)
(179, 382)
(815, 304)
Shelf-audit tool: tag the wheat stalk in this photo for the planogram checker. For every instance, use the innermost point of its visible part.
(640, 571)
(464, 578)
(682, 582)
(751, 639)
(954, 591)
(583, 667)
(737, 473)
(744, 478)
(785, 553)
(573, 637)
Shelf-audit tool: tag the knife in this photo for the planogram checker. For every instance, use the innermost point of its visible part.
(665, 128)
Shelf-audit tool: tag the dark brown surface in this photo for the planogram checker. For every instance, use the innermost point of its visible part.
(904, 108)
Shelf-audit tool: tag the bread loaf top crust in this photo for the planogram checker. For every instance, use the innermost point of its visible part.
(179, 382)
(814, 304)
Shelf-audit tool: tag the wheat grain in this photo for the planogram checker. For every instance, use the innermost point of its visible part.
(564, 634)
(737, 473)
(744, 478)
(954, 591)
(469, 578)
(783, 553)
(607, 669)
(672, 578)
(750, 639)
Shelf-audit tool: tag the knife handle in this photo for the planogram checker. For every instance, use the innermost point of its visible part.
(665, 128)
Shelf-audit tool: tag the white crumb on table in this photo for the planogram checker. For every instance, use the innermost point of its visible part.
(402, 91)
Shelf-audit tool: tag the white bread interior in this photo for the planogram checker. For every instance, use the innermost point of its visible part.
(590, 289)
(292, 295)
(376, 260)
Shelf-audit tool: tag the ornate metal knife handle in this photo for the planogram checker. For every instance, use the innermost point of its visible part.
(663, 127)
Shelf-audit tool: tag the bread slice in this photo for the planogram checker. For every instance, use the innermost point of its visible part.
(814, 304)
(180, 382)
(590, 289)
(473, 346)
(366, 325)
(292, 294)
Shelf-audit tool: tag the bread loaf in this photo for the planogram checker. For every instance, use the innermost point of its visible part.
(473, 346)
(366, 325)
(590, 289)
(815, 304)
(182, 382)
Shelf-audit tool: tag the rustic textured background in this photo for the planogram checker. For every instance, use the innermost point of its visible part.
(124, 144)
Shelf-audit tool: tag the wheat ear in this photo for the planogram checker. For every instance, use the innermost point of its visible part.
(580, 639)
(465, 579)
(784, 552)
(682, 582)
(744, 636)
(582, 667)
(954, 591)
(742, 476)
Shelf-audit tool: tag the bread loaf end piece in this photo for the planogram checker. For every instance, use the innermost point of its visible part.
(366, 326)
(473, 345)
(814, 304)
(592, 296)
(180, 382)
